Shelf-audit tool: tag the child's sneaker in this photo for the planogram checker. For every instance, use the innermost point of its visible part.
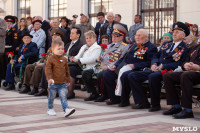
(51, 112)
(68, 112)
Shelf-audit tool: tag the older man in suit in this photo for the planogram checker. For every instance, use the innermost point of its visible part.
(107, 28)
(74, 46)
(134, 28)
(187, 78)
(169, 57)
(55, 25)
(115, 51)
(2, 47)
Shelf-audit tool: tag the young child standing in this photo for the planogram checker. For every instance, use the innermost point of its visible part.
(58, 77)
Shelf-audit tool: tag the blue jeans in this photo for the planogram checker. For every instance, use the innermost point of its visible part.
(61, 89)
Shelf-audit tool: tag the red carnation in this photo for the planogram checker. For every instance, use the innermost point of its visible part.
(165, 71)
(103, 46)
(44, 54)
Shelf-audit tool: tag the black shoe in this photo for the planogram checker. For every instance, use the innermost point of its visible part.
(101, 98)
(183, 114)
(172, 111)
(34, 91)
(124, 104)
(71, 96)
(141, 106)
(91, 97)
(155, 108)
(25, 90)
(11, 86)
(43, 92)
(112, 102)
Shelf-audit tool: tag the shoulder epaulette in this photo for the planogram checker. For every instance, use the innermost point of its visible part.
(123, 43)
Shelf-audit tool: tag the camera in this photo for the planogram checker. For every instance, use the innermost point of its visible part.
(75, 16)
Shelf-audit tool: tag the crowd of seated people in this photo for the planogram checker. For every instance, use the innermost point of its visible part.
(120, 59)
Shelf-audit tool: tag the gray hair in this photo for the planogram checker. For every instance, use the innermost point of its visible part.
(145, 32)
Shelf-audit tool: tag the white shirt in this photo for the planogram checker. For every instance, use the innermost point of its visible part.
(176, 44)
(70, 46)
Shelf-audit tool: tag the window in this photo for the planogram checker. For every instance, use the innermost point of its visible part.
(23, 8)
(157, 16)
(57, 8)
(96, 6)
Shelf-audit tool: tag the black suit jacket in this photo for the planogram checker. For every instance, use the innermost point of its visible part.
(46, 26)
(74, 49)
(97, 27)
(12, 39)
(125, 26)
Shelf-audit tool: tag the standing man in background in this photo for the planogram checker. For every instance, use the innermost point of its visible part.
(84, 25)
(118, 18)
(102, 21)
(134, 28)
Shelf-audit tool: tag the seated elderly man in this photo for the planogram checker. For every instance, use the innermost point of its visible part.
(138, 57)
(186, 79)
(115, 51)
(26, 51)
(169, 57)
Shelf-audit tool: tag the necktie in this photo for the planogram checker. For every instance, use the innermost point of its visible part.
(70, 46)
(171, 47)
(112, 45)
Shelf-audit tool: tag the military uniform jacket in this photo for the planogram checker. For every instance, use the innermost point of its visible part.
(193, 56)
(171, 60)
(113, 54)
(29, 52)
(12, 39)
(139, 55)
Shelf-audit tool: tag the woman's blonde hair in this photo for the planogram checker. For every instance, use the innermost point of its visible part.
(90, 33)
(25, 23)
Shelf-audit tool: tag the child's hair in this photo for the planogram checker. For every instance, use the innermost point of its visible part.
(104, 37)
(56, 43)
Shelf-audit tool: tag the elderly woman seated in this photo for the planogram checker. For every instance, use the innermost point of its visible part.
(86, 59)
(26, 51)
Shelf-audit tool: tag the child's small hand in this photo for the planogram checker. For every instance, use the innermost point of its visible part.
(50, 81)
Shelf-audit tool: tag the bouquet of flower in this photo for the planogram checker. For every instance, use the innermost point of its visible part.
(103, 49)
(44, 55)
(10, 55)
